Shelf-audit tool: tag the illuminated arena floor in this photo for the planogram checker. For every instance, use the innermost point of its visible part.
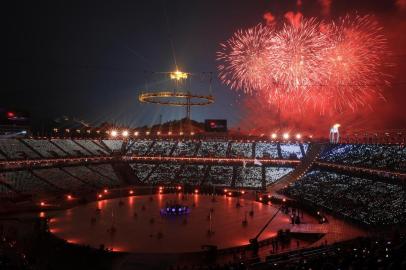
(137, 234)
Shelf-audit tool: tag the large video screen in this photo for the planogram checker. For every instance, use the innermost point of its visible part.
(215, 125)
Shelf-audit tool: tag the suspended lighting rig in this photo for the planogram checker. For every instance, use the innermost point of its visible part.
(178, 97)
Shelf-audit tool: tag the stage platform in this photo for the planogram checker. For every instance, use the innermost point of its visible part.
(139, 227)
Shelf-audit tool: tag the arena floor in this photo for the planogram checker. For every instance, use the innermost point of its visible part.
(136, 233)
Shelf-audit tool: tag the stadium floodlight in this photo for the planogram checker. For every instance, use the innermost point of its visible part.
(178, 75)
(158, 133)
(192, 133)
(181, 133)
(114, 133)
(124, 133)
(286, 135)
(274, 136)
(298, 136)
(147, 133)
(169, 132)
(136, 133)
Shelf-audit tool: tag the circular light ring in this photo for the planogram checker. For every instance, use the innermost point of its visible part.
(159, 98)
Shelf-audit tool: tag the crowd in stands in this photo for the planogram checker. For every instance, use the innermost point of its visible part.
(89, 176)
(114, 145)
(161, 148)
(239, 149)
(138, 147)
(390, 157)
(274, 173)
(360, 253)
(363, 253)
(163, 174)
(185, 149)
(269, 150)
(192, 174)
(249, 177)
(361, 199)
(17, 149)
(213, 149)
(292, 151)
(220, 175)
(142, 170)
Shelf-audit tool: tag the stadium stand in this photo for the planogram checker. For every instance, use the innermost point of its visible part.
(161, 148)
(361, 199)
(26, 182)
(191, 174)
(220, 175)
(107, 171)
(6, 192)
(291, 151)
(273, 174)
(185, 148)
(113, 145)
(139, 147)
(15, 149)
(249, 177)
(390, 157)
(61, 179)
(90, 177)
(213, 149)
(70, 147)
(269, 150)
(142, 170)
(164, 174)
(239, 149)
(45, 148)
(92, 147)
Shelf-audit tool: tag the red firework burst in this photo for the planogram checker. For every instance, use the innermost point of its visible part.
(244, 58)
(324, 66)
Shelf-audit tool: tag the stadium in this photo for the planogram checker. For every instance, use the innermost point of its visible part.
(172, 176)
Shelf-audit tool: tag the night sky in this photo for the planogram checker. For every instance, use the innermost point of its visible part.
(87, 59)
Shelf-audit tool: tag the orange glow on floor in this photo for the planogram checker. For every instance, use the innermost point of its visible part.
(136, 233)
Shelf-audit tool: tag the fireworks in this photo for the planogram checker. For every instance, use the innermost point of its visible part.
(325, 66)
(244, 58)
